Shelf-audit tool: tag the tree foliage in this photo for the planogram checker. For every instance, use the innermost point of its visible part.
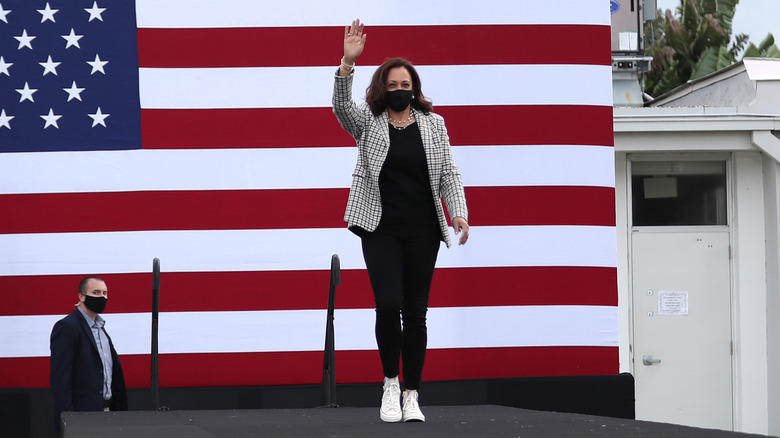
(765, 49)
(694, 41)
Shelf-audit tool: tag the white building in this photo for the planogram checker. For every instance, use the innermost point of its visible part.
(698, 208)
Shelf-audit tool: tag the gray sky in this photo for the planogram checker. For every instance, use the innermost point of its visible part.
(755, 18)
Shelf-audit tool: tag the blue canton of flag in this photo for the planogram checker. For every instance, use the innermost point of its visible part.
(68, 76)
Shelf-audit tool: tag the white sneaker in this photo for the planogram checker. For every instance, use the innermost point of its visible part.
(411, 409)
(391, 401)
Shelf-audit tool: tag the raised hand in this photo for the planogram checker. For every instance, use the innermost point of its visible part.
(354, 41)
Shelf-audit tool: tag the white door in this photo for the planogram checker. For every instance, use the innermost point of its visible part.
(681, 291)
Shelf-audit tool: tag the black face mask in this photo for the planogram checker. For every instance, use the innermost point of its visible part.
(95, 304)
(398, 100)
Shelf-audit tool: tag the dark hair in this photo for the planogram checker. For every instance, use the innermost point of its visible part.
(375, 93)
(84, 281)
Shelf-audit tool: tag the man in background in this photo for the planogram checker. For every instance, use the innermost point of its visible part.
(86, 374)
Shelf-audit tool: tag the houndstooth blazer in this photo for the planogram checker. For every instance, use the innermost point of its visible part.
(364, 205)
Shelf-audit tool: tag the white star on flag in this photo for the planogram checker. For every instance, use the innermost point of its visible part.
(3, 13)
(74, 92)
(5, 119)
(47, 13)
(72, 39)
(51, 119)
(98, 118)
(24, 40)
(97, 65)
(95, 12)
(49, 66)
(26, 93)
(4, 66)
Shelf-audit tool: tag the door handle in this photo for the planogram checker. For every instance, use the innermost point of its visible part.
(648, 360)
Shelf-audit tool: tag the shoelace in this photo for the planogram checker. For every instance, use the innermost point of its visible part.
(393, 391)
(411, 400)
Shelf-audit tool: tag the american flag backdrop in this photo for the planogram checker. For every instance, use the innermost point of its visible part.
(200, 132)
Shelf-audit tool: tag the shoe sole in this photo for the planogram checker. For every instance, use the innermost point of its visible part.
(414, 420)
(390, 419)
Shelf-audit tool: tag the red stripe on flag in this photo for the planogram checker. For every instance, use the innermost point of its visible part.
(175, 210)
(309, 208)
(463, 44)
(294, 290)
(317, 127)
(529, 124)
(241, 128)
(293, 368)
(541, 205)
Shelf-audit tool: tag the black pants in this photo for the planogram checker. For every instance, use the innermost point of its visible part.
(400, 259)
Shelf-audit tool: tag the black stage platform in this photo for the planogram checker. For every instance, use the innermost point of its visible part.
(442, 421)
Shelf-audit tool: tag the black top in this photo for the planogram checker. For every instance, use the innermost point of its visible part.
(403, 182)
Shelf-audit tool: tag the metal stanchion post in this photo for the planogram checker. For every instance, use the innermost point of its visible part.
(329, 363)
(155, 384)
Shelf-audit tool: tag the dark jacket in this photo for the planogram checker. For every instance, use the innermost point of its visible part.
(76, 375)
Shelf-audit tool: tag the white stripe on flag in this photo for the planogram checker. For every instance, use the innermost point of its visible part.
(295, 87)
(233, 13)
(552, 165)
(289, 249)
(286, 168)
(258, 331)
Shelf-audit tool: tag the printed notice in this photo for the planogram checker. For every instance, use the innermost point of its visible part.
(672, 302)
(628, 40)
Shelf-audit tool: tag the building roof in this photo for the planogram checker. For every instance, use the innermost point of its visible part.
(744, 97)
(751, 83)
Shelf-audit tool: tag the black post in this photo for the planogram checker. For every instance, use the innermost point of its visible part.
(329, 365)
(155, 384)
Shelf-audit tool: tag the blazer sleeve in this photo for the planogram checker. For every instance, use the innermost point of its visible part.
(62, 346)
(351, 117)
(450, 182)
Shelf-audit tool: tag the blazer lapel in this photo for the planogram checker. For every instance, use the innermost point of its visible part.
(427, 141)
(87, 329)
(379, 148)
(384, 128)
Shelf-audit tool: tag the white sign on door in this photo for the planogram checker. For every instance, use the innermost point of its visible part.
(672, 302)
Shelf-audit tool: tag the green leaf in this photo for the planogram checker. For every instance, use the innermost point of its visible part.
(766, 43)
(668, 81)
(738, 46)
(708, 63)
(751, 52)
(724, 58)
(727, 8)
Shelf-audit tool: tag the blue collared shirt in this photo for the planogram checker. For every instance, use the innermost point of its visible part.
(101, 339)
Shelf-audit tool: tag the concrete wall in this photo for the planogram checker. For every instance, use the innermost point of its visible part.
(749, 295)
(771, 170)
